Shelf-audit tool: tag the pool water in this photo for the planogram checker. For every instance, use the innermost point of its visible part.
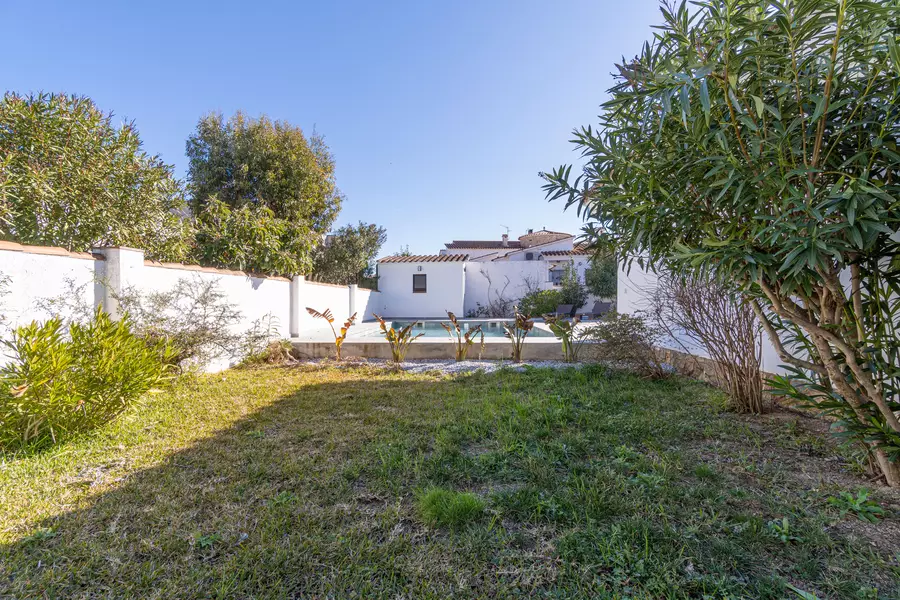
(493, 328)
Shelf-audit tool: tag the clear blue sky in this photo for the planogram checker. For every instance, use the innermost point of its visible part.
(439, 114)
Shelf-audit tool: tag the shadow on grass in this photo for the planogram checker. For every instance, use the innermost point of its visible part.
(269, 507)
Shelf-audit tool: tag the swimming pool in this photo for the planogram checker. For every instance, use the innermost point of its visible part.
(492, 328)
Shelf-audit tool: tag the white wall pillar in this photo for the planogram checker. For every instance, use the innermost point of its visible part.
(122, 269)
(353, 288)
(296, 285)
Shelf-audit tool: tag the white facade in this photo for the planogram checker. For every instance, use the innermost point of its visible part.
(481, 272)
(445, 288)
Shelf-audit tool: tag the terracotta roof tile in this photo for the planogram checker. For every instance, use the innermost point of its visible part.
(426, 258)
(482, 244)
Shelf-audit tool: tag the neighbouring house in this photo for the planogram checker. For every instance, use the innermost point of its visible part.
(467, 276)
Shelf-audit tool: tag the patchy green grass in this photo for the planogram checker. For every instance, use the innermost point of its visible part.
(287, 483)
(448, 508)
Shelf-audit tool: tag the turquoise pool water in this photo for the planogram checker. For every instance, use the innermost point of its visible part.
(490, 328)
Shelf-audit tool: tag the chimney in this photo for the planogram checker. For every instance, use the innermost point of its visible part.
(505, 240)
(530, 231)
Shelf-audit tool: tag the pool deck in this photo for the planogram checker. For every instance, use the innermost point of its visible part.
(365, 340)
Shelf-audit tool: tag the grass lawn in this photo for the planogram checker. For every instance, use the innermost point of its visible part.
(292, 483)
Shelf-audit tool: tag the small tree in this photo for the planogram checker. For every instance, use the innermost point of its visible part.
(347, 255)
(571, 289)
(70, 178)
(758, 140)
(601, 278)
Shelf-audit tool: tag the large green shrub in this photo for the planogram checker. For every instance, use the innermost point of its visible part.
(69, 177)
(540, 302)
(758, 141)
(56, 386)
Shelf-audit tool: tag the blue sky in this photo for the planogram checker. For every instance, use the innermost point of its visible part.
(440, 114)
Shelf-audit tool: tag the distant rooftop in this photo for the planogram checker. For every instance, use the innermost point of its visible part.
(532, 238)
(425, 258)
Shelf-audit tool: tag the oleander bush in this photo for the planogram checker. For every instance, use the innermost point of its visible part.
(58, 384)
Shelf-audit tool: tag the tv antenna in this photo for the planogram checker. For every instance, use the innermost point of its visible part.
(506, 228)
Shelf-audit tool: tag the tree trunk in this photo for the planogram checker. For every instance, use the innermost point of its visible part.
(890, 470)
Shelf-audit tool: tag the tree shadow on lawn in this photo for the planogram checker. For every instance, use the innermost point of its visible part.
(313, 495)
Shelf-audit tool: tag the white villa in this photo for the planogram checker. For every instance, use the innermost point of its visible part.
(467, 274)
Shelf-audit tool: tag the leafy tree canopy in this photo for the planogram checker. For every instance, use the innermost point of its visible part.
(601, 278)
(262, 162)
(347, 255)
(70, 178)
(758, 140)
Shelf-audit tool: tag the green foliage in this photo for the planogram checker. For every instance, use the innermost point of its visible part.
(347, 255)
(447, 508)
(566, 331)
(627, 341)
(338, 338)
(860, 505)
(782, 531)
(540, 302)
(251, 238)
(399, 339)
(54, 387)
(758, 141)
(464, 340)
(277, 184)
(601, 278)
(70, 178)
(516, 332)
(571, 290)
(194, 317)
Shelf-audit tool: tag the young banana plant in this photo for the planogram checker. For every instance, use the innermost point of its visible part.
(338, 338)
(565, 331)
(464, 340)
(516, 332)
(399, 339)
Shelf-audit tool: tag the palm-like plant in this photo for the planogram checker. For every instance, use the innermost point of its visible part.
(399, 339)
(338, 337)
(464, 340)
(566, 332)
(516, 331)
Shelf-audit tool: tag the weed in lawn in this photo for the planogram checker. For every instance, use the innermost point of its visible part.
(860, 505)
(447, 508)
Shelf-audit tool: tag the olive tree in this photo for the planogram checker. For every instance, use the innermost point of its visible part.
(69, 177)
(347, 255)
(757, 140)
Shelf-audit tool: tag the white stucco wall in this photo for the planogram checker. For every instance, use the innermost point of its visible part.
(445, 289)
(635, 288)
(34, 278)
(37, 274)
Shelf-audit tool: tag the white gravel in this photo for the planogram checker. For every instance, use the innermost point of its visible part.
(452, 367)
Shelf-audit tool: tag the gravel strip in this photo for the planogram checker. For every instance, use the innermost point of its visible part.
(452, 367)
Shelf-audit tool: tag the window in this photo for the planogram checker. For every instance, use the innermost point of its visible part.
(556, 276)
(419, 285)
(529, 256)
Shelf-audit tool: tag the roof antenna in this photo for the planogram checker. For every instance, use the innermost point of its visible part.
(506, 228)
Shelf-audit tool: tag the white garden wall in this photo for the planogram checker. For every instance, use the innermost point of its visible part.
(636, 287)
(36, 274)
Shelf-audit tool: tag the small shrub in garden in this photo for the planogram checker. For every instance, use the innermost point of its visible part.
(449, 509)
(56, 386)
(399, 339)
(628, 341)
(540, 302)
